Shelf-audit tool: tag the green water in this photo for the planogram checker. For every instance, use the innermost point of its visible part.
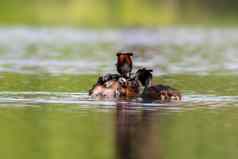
(62, 131)
(45, 111)
(219, 85)
(194, 129)
(48, 131)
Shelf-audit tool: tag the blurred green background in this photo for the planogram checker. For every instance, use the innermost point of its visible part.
(118, 13)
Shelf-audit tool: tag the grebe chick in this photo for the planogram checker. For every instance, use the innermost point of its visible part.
(156, 92)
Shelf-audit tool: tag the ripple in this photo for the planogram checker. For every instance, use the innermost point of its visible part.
(82, 99)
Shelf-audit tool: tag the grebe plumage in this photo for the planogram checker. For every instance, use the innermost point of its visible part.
(117, 85)
(128, 85)
(158, 91)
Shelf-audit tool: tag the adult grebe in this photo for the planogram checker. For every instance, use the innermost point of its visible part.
(117, 85)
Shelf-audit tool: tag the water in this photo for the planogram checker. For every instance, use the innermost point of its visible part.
(46, 113)
(70, 50)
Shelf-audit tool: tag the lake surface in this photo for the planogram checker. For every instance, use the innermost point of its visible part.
(45, 74)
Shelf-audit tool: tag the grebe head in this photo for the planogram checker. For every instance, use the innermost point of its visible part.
(144, 76)
(124, 63)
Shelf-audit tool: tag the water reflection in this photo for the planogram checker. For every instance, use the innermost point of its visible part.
(125, 131)
(135, 134)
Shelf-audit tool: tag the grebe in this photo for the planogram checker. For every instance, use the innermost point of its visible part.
(155, 92)
(124, 63)
(129, 85)
(117, 85)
